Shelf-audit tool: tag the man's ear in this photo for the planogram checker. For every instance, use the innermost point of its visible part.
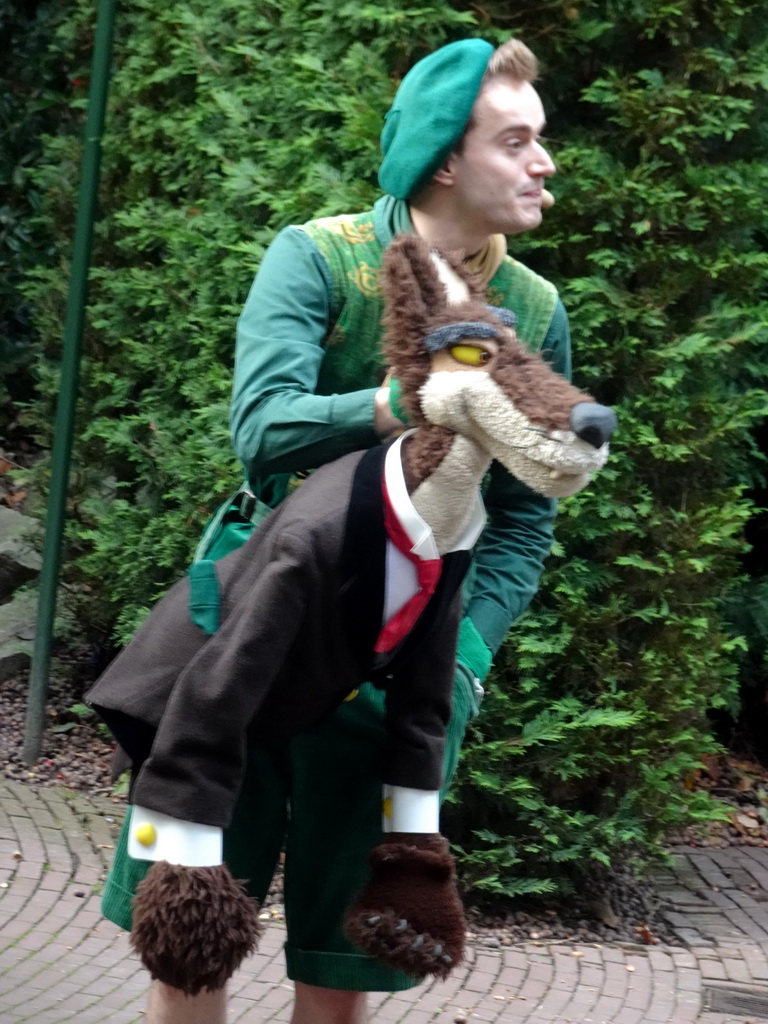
(445, 176)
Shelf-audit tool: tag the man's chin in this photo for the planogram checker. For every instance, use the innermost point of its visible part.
(523, 221)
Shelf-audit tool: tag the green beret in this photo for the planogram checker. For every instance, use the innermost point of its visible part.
(430, 111)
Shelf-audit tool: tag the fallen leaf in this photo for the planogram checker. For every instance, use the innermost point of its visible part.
(12, 500)
(646, 935)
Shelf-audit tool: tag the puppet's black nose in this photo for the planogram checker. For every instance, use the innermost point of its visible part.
(593, 423)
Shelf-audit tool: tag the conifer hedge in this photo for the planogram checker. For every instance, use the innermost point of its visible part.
(229, 120)
(31, 103)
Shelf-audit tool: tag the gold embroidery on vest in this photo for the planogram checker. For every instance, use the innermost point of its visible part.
(494, 296)
(348, 229)
(336, 337)
(366, 279)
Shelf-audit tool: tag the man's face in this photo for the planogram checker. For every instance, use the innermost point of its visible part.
(498, 175)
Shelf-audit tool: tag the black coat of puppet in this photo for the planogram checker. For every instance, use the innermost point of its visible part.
(355, 577)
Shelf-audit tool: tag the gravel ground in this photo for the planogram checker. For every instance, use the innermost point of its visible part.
(612, 907)
(75, 752)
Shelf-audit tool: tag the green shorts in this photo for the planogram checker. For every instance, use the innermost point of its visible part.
(320, 801)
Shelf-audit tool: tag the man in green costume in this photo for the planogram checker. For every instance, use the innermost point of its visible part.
(463, 166)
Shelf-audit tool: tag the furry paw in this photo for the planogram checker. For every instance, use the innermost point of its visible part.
(192, 927)
(409, 915)
(396, 942)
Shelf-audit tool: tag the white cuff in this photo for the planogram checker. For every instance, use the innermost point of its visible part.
(410, 810)
(156, 836)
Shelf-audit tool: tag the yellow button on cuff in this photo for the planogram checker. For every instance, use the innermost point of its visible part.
(351, 695)
(146, 835)
(386, 807)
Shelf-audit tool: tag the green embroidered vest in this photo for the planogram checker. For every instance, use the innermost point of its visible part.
(353, 255)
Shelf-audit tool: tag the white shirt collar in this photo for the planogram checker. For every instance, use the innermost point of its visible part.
(418, 531)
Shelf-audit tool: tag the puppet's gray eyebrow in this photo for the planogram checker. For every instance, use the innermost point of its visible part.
(450, 333)
(441, 337)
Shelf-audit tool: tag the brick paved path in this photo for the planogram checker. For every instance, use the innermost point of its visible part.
(60, 961)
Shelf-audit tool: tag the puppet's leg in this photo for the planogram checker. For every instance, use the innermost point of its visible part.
(409, 914)
(192, 927)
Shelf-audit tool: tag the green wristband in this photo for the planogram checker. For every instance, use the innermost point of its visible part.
(395, 394)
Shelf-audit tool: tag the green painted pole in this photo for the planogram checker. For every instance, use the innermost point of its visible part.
(70, 375)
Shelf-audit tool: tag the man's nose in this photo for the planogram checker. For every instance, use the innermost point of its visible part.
(542, 163)
(593, 423)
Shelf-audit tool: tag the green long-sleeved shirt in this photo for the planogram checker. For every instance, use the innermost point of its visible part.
(282, 422)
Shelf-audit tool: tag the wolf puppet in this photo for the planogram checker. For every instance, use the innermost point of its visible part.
(355, 577)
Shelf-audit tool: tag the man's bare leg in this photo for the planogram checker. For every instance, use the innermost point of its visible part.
(316, 1005)
(171, 1006)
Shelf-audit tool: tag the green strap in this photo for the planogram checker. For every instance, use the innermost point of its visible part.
(212, 527)
(204, 598)
(228, 528)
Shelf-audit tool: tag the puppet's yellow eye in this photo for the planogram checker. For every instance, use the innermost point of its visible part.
(472, 355)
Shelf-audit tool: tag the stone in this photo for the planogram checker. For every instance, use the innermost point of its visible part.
(17, 626)
(19, 562)
(603, 911)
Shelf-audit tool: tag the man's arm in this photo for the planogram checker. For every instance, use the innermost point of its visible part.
(278, 422)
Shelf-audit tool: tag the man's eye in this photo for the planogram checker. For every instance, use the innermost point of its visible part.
(471, 355)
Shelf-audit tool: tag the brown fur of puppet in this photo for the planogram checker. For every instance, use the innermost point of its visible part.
(409, 915)
(192, 927)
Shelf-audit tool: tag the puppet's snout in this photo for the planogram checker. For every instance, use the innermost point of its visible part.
(593, 423)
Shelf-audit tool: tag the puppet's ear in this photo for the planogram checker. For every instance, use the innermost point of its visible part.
(419, 284)
(425, 279)
(420, 281)
(413, 294)
(412, 287)
(454, 282)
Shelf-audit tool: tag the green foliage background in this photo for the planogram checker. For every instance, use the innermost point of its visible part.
(31, 103)
(229, 120)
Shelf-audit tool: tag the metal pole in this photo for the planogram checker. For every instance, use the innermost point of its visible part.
(70, 373)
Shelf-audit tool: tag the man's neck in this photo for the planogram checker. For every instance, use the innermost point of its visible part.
(446, 232)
